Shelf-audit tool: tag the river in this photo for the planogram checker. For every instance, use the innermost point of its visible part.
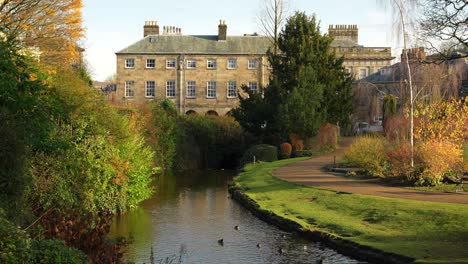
(191, 212)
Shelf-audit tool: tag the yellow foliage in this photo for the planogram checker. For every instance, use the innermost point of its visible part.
(442, 122)
(438, 158)
(369, 154)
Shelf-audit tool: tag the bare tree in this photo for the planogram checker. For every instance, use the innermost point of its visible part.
(272, 18)
(446, 21)
(402, 14)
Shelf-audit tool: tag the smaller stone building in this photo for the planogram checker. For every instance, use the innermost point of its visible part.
(359, 60)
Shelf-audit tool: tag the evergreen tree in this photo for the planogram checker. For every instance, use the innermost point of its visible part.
(308, 85)
(388, 107)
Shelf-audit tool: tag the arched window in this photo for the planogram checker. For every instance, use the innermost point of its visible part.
(212, 112)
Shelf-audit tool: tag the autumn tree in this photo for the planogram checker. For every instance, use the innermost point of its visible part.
(50, 28)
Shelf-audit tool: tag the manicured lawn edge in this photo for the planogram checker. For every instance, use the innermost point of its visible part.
(342, 246)
(268, 198)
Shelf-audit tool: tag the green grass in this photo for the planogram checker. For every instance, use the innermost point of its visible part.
(441, 188)
(426, 231)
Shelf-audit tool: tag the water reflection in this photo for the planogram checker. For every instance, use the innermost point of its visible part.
(189, 214)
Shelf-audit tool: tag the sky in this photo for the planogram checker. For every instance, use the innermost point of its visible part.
(112, 25)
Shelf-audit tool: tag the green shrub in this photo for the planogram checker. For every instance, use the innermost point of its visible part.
(17, 247)
(166, 132)
(55, 251)
(14, 243)
(369, 154)
(286, 150)
(262, 152)
(220, 139)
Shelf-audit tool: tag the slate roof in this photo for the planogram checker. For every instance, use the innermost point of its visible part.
(209, 44)
(173, 44)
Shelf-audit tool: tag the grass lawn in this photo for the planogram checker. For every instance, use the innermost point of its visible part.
(441, 188)
(426, 231)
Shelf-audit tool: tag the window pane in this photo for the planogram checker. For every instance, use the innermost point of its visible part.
(170, 89)
(129, 91)
(191, 64)
(211, 89)
(129, 63)
(362, 73)
(211, 64)
(253, 87)
(150, 63)
(232, 64)
(252, 64)
(150, 88)
(170, 64)
(191, 89)
(232, 89)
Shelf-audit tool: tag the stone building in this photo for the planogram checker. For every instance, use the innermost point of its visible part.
(433, 79)
(200, 74)
(204, 74)
(359, 60)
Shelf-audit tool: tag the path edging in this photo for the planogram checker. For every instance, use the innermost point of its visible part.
(344, 247)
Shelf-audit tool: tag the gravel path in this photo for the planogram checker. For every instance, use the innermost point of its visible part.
(311, 173)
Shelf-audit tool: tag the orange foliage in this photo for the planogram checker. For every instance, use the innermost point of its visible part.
(297, 142)
(327, 137)
(54, 27)
(438, 158)
(397, 128)
(286, 150)
(400, 161)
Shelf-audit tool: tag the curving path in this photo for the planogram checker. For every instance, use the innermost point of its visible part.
(311, 173)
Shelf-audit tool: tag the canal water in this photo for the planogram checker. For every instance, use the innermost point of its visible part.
(191, 212)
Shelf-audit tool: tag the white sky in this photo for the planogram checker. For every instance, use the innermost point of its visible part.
(112, 25)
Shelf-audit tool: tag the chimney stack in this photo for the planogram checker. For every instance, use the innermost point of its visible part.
(344, 32)
(151, 28)
(222, 30)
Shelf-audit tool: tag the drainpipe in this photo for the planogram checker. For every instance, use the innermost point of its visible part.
(180, 83)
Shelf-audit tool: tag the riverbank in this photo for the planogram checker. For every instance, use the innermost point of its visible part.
(376, 229)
